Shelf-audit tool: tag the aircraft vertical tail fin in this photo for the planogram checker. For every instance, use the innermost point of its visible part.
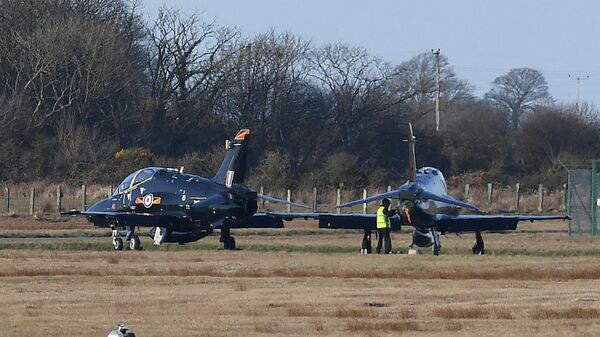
(412, 161)
(233, 168)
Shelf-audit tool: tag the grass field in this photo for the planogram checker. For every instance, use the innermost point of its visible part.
(298, 281)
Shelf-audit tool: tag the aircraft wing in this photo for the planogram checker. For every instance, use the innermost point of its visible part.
(475, 223)
(413, 192)
(281, 201)
(387, 195)
(354, 221)
(104, 218)
(272, 219)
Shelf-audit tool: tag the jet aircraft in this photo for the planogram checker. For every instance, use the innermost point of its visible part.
(182, 208)
(436, 212)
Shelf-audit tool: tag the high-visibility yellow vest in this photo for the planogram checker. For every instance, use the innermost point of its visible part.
(383, 221)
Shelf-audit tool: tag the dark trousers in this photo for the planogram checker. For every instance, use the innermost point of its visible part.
(384, 234)
(366, 242)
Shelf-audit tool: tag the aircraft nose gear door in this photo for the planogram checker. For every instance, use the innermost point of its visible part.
(159, 235)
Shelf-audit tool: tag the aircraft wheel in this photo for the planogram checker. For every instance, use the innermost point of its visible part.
(436, 250)
(229, 243)
(118, 244)
(135, 243)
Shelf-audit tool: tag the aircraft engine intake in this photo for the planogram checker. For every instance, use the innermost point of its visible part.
(422, 238)
(251, 207)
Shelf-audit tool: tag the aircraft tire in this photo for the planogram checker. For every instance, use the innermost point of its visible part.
(118, 244)
(436, 250)
(135, 243)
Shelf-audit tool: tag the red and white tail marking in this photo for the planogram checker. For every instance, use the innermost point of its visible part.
(229, 178)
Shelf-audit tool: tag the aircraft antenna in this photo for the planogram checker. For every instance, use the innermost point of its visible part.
(412, 161)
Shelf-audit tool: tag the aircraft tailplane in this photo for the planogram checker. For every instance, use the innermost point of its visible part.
(233, 168)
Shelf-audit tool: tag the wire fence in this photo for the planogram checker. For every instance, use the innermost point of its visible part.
(42, 198)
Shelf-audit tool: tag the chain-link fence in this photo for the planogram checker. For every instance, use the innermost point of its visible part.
(583, 201)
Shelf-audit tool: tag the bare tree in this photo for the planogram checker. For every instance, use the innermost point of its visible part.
(267, 73)
(186, 63)
(356, 82)
(518, 92)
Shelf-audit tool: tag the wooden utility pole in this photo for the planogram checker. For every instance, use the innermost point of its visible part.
(578, 80)
(437, 89)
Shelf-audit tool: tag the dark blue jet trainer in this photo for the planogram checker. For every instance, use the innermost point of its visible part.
(185, 208)
(435, 211)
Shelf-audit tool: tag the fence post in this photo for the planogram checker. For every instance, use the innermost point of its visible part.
(517, 196)
(565, 197)
(262, 201)
(289, 199)
(314, 199)
(594, 201)
(466, 195)
(489, 196)
(541, 196)
(32, 201)
(338, 200)
(83, 198)
(365, 204)
(7, 201)
(569, 199)
(58, 199)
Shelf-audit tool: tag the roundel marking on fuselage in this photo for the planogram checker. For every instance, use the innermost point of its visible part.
(148, 199)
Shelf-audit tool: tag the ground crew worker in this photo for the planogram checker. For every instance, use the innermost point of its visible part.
(407, 210)
(384, 226)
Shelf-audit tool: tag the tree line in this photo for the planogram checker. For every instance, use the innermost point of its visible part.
(90, 91)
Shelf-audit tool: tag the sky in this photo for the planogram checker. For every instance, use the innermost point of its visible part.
(482, 39)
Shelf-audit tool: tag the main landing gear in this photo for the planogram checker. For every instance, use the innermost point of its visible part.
(365, 246)
(227, 239)
(479, 247)
(134, 241)
(437, 245)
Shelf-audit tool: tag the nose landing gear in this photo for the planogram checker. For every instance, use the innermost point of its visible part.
(134, 241)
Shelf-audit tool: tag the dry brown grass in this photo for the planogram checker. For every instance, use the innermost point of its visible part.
(397, 327)
(249, 293)
(355, 313)
(568, 313)
(461, 313)
(504, 273)
(478, 312)
(408, 313)
(453, 326)
(502, 313)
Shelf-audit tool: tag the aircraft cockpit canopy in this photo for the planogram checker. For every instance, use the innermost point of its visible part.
(136, 178)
